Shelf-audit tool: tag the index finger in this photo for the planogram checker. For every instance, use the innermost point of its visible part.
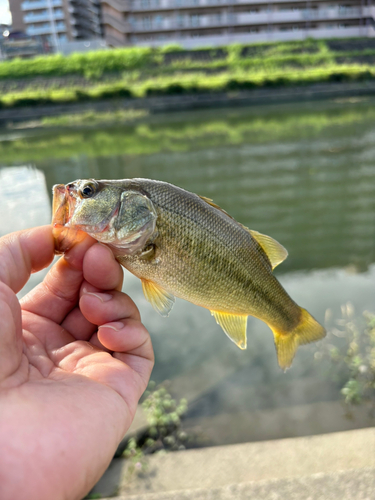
(23, 253)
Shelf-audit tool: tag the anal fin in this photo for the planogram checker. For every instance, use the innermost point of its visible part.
(161, 300)
(234, 326)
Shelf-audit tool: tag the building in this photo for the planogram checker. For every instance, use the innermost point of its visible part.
(4, 28)
(18, 44)
(194, 23)
(57, 21)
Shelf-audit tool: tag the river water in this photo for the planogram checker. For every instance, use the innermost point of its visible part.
(303, 174)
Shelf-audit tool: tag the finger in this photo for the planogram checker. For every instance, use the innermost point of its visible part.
(96, 343)
(78, 326)
(75, 322)
(23, 253)
(131, 344)
(101, 269)
(59, 292)
(123, 336)
(10, 334)
(101, 308)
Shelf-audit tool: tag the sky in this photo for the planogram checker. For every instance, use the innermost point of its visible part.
(5, 17)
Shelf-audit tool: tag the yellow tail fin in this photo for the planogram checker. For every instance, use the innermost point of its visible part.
(308, 330)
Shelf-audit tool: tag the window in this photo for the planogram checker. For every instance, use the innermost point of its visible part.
(159, 20)
(194, 19)
(146, 22)
(180, 20)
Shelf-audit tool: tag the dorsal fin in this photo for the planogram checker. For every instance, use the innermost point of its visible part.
(213, 204)
(275, 252)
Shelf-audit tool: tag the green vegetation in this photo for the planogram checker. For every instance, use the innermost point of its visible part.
(89, 65)
(185, 83)
(93, 65)
(352, 355)
(164, 432)
(140, 72)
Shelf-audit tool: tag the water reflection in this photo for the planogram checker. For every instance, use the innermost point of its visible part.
(305, 176)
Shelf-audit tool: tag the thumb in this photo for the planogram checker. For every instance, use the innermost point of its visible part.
(10, 334)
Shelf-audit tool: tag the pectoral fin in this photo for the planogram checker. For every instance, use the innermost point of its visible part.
(234, 326)
(160, 300)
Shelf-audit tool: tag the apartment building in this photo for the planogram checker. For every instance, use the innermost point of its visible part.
(193, 23)
(57, 21)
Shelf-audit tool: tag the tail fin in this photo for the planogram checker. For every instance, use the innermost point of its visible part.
(308, 330)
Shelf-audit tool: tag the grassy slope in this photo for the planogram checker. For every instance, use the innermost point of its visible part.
(139, 72)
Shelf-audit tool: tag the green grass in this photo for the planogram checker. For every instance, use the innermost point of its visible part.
(93, 65)
(89, 65)
(140, 72)
(187, 83)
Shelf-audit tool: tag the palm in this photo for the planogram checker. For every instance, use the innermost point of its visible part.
(66, 387)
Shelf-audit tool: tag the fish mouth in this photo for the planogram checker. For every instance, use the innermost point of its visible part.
(63, 207)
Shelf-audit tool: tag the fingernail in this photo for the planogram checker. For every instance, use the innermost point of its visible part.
(116, 325)
(103, 297)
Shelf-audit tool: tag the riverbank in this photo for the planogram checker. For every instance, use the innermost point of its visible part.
(174, 103)
(336, 465)
(172, 78)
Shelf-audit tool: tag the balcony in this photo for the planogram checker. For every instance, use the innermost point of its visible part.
(45, 29)
(183, 22)
(212, 41)
(187, 21)
(40, 4)
(119, 5)
(39, 30)
(38, 18)
(117, 23)
(156, 5)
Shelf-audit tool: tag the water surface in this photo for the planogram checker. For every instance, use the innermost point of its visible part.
(302, 174)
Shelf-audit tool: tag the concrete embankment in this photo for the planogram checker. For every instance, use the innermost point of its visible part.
(332, 466)
(182, 102)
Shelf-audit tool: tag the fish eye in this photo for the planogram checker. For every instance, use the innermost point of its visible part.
(88, 191)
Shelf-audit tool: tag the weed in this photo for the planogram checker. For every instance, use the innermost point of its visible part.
(352, 354)
(164, 432)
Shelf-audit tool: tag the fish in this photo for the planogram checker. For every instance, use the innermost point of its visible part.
(183, 245)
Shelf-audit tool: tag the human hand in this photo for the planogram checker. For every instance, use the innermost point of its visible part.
(68, 389)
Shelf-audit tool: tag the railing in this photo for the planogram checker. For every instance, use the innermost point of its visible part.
(40, 30)
(212, 41)
(114, 41)
(182, 21)
(119, 5)
(186, 22)
(305, 12)
(35, 18)
(40, 4)
(44, 30)
(119, 25)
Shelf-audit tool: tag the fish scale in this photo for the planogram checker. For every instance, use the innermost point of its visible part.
(219, 267)
(180, 244)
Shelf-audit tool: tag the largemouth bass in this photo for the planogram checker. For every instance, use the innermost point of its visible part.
(183, 245)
